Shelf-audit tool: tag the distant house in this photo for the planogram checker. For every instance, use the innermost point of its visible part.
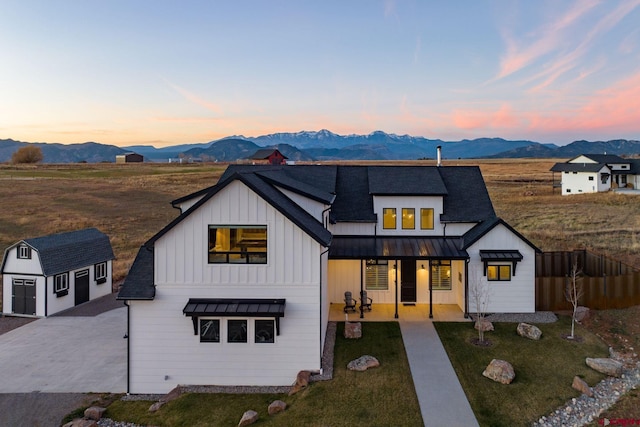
(268, 156)
(237, 289)
(129, 158)
(44, 275)
(592, 173)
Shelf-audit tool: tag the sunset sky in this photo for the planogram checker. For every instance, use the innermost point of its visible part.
(157, 72)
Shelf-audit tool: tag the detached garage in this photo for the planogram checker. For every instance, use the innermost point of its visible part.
(44, 275)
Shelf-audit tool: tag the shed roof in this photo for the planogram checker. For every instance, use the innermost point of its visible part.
(64, 252)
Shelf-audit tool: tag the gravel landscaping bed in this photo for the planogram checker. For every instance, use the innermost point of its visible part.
(537, 317)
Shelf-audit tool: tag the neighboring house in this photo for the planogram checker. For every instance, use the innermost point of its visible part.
(592, 173)
(237, 289)
(268, 156)
(129, 158)
(44, 275)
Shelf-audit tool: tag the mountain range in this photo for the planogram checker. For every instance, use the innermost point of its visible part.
(326, 145)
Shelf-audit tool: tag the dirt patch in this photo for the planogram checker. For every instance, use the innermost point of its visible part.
(619, 329)
(10, 323)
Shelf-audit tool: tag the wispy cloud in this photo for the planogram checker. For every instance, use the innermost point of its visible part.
(194, 98)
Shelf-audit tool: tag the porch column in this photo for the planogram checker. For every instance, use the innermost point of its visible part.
(396, 282)
(466, 289)
(430, 291)
(361, 288)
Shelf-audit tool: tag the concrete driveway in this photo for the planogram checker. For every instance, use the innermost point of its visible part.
(74, 354)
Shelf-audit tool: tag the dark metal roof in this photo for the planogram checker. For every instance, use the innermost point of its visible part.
(500, 255)
(603, 158)
(467, 199)
(388, 247)
(353, 201)
(138, 285)
(577, 167)
(64, 252)
(239, 307)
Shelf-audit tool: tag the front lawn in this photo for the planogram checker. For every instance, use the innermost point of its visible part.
(544, 369)
(382, 396)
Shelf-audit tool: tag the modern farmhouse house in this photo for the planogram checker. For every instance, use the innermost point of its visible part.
(237, 289)
(44, 275)
(592, 173)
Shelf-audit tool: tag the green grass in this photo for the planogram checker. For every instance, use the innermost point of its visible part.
(544, 369)
(383, 396)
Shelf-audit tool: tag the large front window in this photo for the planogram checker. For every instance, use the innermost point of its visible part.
(498, 272)
(237, 244)
(441, 275)
(376, 276)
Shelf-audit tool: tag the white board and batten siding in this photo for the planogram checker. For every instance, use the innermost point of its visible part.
(415, 202)
(518, 294)
(314, 208)
(182, 271)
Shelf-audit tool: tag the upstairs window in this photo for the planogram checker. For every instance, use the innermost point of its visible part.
(389, 218)
(376, 276)
(441, 275)
(408, 218)
(426, 219)
(237, 244)
(24, 252)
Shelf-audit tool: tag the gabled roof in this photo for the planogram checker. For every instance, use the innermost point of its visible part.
(467, 199)
(405, 181)
(578, 167)
(477, 232)
(64, 252)
(264, 153)
(602, 158)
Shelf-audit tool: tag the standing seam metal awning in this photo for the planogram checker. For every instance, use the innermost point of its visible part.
(378, 247)
(234, 307)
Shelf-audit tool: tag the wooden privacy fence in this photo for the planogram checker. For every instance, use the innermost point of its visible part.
(606, 283)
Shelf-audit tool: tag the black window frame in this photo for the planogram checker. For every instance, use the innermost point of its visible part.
(394, 213)
(241, 339)
(264, 331)
(499, 277)
(26, 254)
(410, 216)
(241, 256)
(102, 277)
(376, 275)
(422, 211)
(62, 290)
(214, 339)
(442, 284)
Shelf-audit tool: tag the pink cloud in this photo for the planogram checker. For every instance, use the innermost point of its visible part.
(483, 120)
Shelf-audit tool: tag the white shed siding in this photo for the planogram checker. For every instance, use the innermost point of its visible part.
(416, 202)
(311, 206)
(13, 264)
(7, 292)
(518, 294)
(579, 182)
(582, 159)
(182, 272)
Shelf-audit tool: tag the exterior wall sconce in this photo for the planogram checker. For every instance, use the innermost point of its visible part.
(422, 266)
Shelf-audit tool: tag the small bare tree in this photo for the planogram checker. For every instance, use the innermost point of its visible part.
(480, 293)
(573, 293)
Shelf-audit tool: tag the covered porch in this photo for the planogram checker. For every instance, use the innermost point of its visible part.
(417, 277)
(386, 313)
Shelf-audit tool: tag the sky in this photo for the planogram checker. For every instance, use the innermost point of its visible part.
(156, 72)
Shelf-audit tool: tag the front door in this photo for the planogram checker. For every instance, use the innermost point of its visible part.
(408, 281)
(82, 286)
(24, 296)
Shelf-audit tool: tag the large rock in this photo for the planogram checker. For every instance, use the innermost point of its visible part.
(500, 371)
(276, 407)
(302, 381)
(172, 395)
(582, 386)
(582, 313)
(607, 366)
(363, 363)
(94, 412)
(483, 325)
(248, 418)
(352, 330)
(529, 331)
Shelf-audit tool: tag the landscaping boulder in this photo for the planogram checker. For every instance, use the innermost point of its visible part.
(500, 371)
(529, 331)
(352, 330)
(582, 313)
(363, 363)
(607, 366)
(94, 412)
(483, 325)
(582, 386)
(302, 381)
(172, 395)
(248, 418)
(276, 407)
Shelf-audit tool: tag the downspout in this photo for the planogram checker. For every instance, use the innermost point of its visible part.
(320, 305)
(46, 297)
(128, 348)
(466, 288)
(396, 280)
(361, 289)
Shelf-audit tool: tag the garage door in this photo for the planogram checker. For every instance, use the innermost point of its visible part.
(24, 296)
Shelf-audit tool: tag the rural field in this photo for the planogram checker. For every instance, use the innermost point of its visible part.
(130, 203)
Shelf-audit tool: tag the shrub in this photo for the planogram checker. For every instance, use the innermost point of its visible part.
(28, 154)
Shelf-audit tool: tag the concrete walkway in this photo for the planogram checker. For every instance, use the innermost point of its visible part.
(442, 400)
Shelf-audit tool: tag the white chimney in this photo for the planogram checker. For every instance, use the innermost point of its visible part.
(439, 148)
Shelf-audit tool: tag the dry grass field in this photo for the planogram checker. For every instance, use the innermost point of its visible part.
(131, 202)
